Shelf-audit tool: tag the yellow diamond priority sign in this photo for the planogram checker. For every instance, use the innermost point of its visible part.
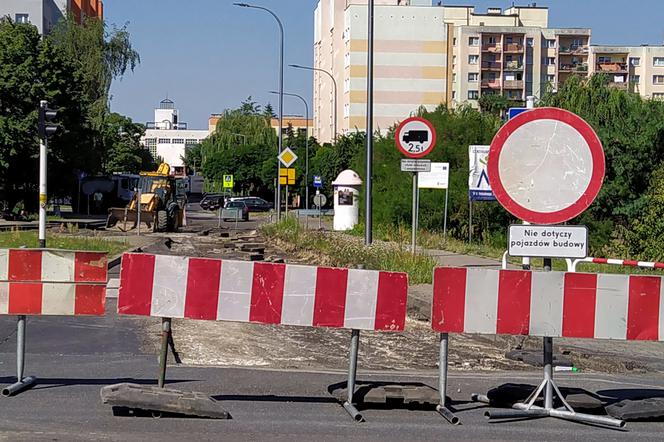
(287, 157)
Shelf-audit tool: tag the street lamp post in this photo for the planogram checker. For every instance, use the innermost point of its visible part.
(334, 84)
(277, 198)
(306, 144)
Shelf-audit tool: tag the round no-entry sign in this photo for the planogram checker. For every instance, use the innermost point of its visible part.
(546, 166)
(415, 137)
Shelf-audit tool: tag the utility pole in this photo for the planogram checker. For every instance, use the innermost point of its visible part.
(46, 129)
(368, 223)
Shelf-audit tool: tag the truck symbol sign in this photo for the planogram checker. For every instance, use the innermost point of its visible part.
(416, 136)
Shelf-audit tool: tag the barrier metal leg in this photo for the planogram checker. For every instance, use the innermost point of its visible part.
(21, 382)
(546, 389)
(163, 356)
(352, 375)
(442, 381)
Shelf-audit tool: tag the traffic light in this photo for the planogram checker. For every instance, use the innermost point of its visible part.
(46, 114)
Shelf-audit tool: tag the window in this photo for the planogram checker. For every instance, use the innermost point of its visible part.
(473, 76)
(635, 61)
(604, 59)
(22, 18)
(658, 96)
(473, 59)
(658, 79)
(473, 95)
(550, 43)
(453, 95)
(636, 79)
(191, 142)
(164, 141)
(550, 61)
(474, 41)
(491, 40)
(550, 78)
(658, 61)
(509, 40)
(530, 42)
(177, 141)
(454, 78)
(453, 59)
(454, 41)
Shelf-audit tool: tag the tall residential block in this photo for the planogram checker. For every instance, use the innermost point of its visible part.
(512, 53)
(410, 59)
(639, 69)
(44, 14)
(427, 55)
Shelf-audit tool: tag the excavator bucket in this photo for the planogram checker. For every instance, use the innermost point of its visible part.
(126, 218)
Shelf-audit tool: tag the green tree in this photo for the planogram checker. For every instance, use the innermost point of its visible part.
(268, 112)
(122, 149)
(495, 104)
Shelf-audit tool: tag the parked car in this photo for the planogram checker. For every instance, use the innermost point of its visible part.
(212, 201)
(239, 205)
(255, 204)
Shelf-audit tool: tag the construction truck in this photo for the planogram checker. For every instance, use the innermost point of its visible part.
(160, 208)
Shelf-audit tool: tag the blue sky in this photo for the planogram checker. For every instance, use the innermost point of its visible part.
(208, 55)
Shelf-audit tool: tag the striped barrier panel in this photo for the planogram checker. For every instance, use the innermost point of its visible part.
(52, 282)
(551, 304)
(619, 262)
(224, 290)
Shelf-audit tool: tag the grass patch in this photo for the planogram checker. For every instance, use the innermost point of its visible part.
(401, 235)
(18, 239)
(341, 250)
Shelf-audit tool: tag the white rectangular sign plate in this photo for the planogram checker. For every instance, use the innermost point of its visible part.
(415, 165)
(548, 241)
(438, 178)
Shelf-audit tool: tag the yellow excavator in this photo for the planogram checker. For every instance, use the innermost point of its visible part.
(160, 209)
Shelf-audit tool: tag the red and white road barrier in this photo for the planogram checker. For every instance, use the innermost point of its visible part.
(52, 282)
(619, 262)
(223, 290)
(551, 304)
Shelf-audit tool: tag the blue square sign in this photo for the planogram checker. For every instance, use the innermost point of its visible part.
(318, 181)
(514, 111)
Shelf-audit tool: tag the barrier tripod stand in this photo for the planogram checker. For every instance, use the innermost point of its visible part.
(21, 382)
(546, 389)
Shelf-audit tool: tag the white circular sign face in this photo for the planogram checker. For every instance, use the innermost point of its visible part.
(415, 137)
(546, 166)
(554, 165)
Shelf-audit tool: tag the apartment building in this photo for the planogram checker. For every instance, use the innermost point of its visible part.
(410, 59)
(510, 52)
(639, 69)
(44, 14)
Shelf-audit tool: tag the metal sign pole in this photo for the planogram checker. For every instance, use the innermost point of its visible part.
(445, 216)
(470, 221)
(138, 211)
(415, 209)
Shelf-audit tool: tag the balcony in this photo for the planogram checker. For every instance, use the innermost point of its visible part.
(491, 84)
(491, 65)
(623, 85)
(573, 50)
(513, 84)
(618, 68)
(513, 47)
(513, 66)
(578, 67)
(491, 47)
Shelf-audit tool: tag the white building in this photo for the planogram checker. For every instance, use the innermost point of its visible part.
(167, 138)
